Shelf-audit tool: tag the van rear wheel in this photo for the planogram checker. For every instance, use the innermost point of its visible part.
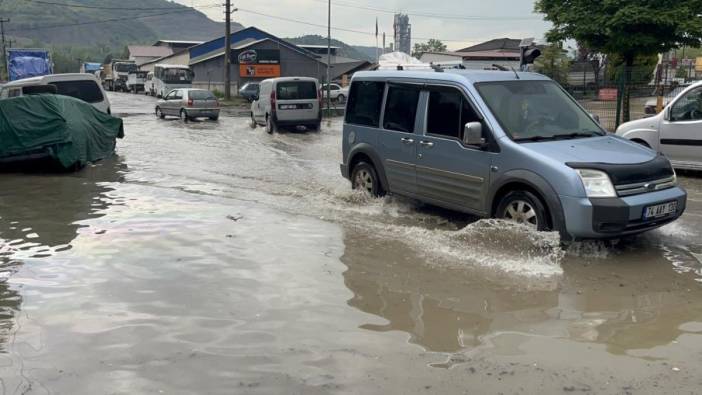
(271, 127)
(365, 178)
(525, 208)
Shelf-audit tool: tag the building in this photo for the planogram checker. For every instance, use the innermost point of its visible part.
(403, 34)
(503, 52)
(180, 57)
(255, 56)
(143, 53)
(176, 45)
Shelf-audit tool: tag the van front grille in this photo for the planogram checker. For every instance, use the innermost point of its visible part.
(645, 187)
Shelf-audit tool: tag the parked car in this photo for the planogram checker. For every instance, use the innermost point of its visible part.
(676, 132)
(651, 105)
(249, 91)
(188, 104)
(81, 86)
(507, 145)
(289, 101)
(336, 92)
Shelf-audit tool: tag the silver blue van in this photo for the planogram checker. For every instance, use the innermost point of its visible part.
(506, 145)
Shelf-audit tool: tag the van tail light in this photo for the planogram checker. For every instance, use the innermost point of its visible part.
(190, 102)
(321, 97)
(273, 104)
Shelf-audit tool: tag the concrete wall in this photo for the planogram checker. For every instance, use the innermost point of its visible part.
(487, 64)
(210, 73)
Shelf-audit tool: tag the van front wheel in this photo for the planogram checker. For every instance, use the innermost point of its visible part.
(525, 208)
(365, 178)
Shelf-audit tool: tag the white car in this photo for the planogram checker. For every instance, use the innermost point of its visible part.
(652, 104)
(336, 92)
(85, 87)
(676, 132)
(288, 101)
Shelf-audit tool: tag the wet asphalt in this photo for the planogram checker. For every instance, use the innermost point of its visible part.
(209, 257)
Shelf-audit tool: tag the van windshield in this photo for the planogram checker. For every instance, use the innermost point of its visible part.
(537, 110)
(125, 67)
(177, 76)
(296, 90)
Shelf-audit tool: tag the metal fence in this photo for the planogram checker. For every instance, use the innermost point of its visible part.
(601, 91)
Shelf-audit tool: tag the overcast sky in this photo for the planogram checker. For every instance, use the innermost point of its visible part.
(458, 23)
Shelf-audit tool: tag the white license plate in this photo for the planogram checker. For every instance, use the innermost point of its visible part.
(660, 210)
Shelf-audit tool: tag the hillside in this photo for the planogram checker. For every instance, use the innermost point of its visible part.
(145, 21)
(344, 49)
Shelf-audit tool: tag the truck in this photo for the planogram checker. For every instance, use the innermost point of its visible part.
(28, 62)
(136, 80)
(90, 67)
(116, 73)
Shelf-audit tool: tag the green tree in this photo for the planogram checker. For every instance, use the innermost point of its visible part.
(628, 28)
(432, 45)
(554, 63)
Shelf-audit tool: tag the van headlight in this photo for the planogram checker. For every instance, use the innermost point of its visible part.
(597, 183)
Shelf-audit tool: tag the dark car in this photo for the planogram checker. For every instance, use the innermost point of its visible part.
(249, 91)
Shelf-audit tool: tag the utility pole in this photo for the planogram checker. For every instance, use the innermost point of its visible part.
(227, 51)
(4, 45)
(329, 59)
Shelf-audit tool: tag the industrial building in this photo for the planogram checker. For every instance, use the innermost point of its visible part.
(403, 34)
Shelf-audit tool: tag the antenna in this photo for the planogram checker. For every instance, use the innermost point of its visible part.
(516, 75)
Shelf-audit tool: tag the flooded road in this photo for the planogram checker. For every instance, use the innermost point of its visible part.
(210, 258)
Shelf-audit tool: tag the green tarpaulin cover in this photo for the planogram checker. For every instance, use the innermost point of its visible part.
(69, 130)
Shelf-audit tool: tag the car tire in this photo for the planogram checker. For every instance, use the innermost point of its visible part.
(252, 122)
(160, 113)
(271, 127)
(525, 208)
(364, 177)
(315, 126)
(341, 99)
(184, 116)
(214, 118)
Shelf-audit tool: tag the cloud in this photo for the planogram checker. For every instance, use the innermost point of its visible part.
(485, 19)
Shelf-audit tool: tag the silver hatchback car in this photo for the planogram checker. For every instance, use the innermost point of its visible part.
(189, 104)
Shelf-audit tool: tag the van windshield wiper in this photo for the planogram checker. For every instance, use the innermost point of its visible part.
(564, 136)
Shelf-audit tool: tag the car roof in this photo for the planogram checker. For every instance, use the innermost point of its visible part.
(460, 76)
(45, 79)
(287, 79)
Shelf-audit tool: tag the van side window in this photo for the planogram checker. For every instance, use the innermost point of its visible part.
(365, 100)
(448, 112)
(14, 92)
(401, 108)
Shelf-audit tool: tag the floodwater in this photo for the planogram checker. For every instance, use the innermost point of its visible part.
(210, 258)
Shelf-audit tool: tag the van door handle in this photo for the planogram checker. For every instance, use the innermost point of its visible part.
(407, 141)
(427, 144)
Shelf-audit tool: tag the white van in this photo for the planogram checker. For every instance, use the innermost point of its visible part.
(85, 87)
(288, 101)
(149, 84)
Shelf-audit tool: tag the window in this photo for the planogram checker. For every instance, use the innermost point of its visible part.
(401, 108)
(688, 107)
(529, 110)
(449, 111)
(296, 90)
(14, 92)
(365, 99)
(88, 91)
(177, 94)
(171, 95)
(201, 95)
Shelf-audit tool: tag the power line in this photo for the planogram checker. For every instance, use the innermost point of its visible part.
(433, 15)
(105, 20)
(97, 7)
(335, 28)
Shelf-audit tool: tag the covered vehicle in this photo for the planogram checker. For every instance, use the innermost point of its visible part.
(66, 130)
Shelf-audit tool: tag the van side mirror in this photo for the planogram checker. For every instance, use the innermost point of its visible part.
(666, 114)
(595, 117)
(473, 134)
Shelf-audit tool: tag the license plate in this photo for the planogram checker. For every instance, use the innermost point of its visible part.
(295, 106)
(660, 210)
